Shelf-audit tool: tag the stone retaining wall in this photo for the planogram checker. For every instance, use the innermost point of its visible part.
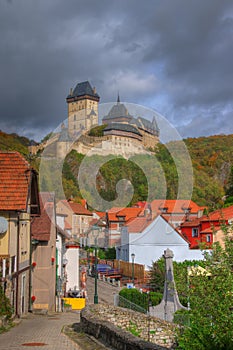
(115, 326)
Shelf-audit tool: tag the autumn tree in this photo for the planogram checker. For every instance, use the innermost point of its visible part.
(211, 315)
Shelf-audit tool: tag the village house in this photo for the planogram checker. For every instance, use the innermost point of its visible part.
(176, 211)
(19, 203)
(78, 217)
(63, 236)
(116, 218)
(207, 229)
(44, 255)
(147, 238)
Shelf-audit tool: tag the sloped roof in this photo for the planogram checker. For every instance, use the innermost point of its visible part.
(67, 225)
(191, 223)
(118, 110)
(220, 214)
(41, 226)
(211, 229)
(83, 89)
(77, 208)
(128, 213)
(122, 127)
(138, 224)
(15, 174)
(174, 205)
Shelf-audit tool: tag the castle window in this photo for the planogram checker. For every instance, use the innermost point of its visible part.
(74, 117)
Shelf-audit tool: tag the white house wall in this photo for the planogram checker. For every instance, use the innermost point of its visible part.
(72, 268)
(150, 245)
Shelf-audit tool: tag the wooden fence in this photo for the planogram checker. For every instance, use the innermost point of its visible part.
(127, 269)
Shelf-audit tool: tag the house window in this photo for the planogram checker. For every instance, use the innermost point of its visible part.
(13, 264)
(208, 238)
(195, 232)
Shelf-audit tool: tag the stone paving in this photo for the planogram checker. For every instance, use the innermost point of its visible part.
(45, 330)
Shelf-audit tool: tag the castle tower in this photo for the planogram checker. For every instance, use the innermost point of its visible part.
(82, 108)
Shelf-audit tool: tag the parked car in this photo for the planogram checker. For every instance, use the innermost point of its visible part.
(101, 268)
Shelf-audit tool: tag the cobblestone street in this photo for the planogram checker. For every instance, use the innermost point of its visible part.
(45, 331)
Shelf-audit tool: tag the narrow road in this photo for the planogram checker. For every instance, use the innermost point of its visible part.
(105, 291)
(41, 331)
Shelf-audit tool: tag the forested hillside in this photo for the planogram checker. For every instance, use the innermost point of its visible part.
(212, 160)
(14, 142)
(151, 176)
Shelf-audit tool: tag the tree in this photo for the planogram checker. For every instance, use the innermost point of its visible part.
(211, 317)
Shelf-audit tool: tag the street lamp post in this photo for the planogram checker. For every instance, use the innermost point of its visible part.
(133, 257)
(96, 293)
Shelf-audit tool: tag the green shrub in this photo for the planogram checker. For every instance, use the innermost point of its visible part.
(5, 305)
(141, 299)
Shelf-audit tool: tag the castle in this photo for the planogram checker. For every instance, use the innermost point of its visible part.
(121, 133)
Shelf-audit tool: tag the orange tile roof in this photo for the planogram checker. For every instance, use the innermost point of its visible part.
(211, 229)
(77, 208)
(138, 224)
(67, 225)
(220, 214)
(128, 213)
(41, 226)
(174, 205)
(14, 181)
(191, 223)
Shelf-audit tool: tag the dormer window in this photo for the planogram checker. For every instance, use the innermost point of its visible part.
(187, 210)
(164, 210)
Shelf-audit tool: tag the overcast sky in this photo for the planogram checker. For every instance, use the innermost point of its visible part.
(173, 56)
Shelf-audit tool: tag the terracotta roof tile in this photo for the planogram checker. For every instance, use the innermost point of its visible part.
(138, 224)
(41, 226)
(174, 205)
(127, 213)
(67, 225)
(77, 208)
(14, 181)
(220, 214)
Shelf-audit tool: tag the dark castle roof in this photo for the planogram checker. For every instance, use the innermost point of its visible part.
(118, 111)
(122, 127)
(83, 89)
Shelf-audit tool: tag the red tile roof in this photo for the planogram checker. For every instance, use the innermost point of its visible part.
(211, 229)
(41, 226)
(191, 223)
(138, 224)
(67, 225)
(220, 214)
(127, 213)
(77, 208)
(14, 181)
(174, 205)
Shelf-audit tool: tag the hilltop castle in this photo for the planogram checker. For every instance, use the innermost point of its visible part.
(121, 133)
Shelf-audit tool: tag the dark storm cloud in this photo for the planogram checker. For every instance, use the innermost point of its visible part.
(174, 56)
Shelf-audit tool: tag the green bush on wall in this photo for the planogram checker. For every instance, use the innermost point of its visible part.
(141, 299)
(5, 305)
